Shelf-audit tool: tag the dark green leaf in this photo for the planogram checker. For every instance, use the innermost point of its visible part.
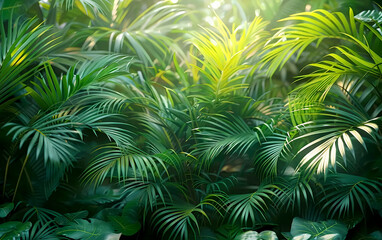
(14, 230)
(5, 209)
(82, 229)
(125, 225)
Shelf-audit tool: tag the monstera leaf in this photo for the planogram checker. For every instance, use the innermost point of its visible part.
(5, 209)
(326, 230)
(82, 229)
(13, 230)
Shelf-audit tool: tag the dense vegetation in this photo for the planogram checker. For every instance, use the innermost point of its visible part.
(141, 119)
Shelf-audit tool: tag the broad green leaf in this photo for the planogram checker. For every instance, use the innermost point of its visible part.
(319, 230)
(125, 225)
(268, 235)
(5, 209)
(67, 218)
(13, 230)
(304, 236)
(82, 229)
(253, 235)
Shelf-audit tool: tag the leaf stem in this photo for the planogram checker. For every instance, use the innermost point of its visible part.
(18, 180)
(6, 173)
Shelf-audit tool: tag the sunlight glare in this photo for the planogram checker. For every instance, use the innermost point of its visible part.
(216, 4)
(210, 20)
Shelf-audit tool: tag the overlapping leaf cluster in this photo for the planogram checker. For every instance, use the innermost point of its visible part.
(127, 118)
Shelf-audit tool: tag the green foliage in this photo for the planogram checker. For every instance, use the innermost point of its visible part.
(224, 54)
(304, 229)
(5, 209)
(13, 229)
(125, 225)
(83, 229)
(179, 221)
(250, 208)
(119, 160)
(67, 218)
(368, 16)
(159, 120)
(219, 135)
(253, 235)
(348, 192)
(22, 45)
(349, 126)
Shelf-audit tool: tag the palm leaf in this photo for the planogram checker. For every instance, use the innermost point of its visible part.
(143, 34)
(41, 231)
(213, 183)
(373, 16)
(294, 193)
(224, 53)
(51, 92)
(347, 194)
(21, 46)
(334, 135)
(275, 148)
(179, 221)
(153, 192)
(250, 208)
(310, 27)
(225, 135)
(315, 27)
(49, 135)
(111, 160)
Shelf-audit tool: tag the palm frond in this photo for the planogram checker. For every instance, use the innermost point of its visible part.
(225, 135)
(41, 231)
(51, 91)
(153, 192)
(273, 149)
(111, 125)
(334, 134)
(250, 208)
(21, 47)
(294, 193)
(121, 163)
(224, 53)
(49, 135)
(347, 194)
(311, 27)
(43, 215)
(315, 27)
(347, 63)
(85, 5)
(182, 220)
(213, 183)
(144, 34)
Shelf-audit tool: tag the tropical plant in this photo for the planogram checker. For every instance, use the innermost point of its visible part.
(165, 120)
